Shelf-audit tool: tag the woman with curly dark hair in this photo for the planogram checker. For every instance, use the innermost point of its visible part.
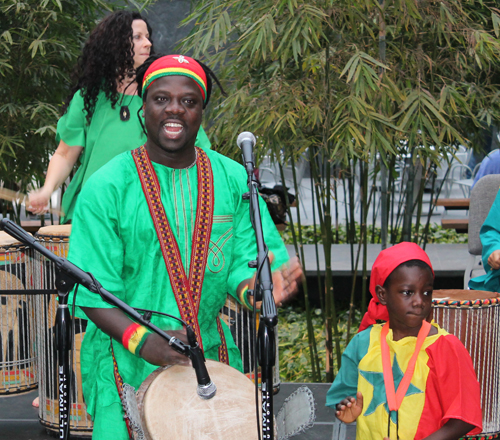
(100, 118)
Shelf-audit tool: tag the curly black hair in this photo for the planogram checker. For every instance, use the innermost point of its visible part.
(141, 71)
(107, 58)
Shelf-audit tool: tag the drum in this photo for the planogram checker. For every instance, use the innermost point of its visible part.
(17, 318)
(56, 239)
(240, 322)
(169, 407)
(473, 316)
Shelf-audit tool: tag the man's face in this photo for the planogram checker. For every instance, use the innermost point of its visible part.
(172, 112)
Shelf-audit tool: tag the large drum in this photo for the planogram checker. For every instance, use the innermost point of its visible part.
(473, 316)
(17, 318)
(240, 322)
(169, 407)
(56, 239)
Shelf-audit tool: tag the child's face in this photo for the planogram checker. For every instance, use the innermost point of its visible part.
(408, 298)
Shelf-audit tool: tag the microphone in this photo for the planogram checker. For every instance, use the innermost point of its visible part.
(206, 388)
(246, 141)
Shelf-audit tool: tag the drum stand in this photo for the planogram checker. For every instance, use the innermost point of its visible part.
(266, 342)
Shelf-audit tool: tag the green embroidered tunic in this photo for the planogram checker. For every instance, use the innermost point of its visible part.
(114, 238)
(104, 138)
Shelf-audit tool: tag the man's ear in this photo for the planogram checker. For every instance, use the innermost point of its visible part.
(380, 291)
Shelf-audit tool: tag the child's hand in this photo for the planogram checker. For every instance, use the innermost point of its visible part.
(350, 408)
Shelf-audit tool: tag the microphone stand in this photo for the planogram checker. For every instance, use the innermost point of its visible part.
(266, 340)
(71, 275)
(64, 284)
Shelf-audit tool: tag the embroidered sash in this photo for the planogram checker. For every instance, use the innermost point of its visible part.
(187, 291)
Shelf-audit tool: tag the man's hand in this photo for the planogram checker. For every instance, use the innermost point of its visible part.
(156, 350)
(494, 260)
(349, 409)
(285, 281)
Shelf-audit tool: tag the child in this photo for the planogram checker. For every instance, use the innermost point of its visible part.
(431, 391)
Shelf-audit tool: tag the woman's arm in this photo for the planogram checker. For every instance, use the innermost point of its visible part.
(60, 166)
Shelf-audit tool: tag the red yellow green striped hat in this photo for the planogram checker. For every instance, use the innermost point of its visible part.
(176, 65)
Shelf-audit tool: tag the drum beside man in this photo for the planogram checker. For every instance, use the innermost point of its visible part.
(165, 205)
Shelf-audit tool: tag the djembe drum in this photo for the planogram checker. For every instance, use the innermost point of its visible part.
(56, 239)
(473, 316)
(17, 320)
(169, 407)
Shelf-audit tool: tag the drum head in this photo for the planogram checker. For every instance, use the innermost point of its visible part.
(170, 407)
(55, 230)
(7, 241)
(462, 295)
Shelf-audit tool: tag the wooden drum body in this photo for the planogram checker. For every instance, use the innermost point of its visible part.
(240, 322)
(56, 239)
(473, 316)
(170, 408)
(18, 371)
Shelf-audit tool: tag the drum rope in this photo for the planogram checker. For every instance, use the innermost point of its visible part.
(18, 357)
(487, 370)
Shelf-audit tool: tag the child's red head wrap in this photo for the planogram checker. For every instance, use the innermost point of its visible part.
(388, 260)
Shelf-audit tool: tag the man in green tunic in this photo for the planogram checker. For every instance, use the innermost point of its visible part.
(120, 236)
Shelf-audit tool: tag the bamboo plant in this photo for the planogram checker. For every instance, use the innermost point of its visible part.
(358, 87)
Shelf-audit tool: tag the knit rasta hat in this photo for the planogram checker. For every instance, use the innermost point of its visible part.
(176, 65)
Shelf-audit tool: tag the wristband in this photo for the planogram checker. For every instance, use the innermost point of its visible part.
(134, 338)
(243, 298)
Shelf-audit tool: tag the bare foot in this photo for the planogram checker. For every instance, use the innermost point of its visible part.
(36, 402)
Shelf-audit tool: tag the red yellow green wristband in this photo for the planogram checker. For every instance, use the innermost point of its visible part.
(244, 299)
(134, 337)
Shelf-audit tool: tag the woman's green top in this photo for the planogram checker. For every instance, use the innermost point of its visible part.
(104, 138)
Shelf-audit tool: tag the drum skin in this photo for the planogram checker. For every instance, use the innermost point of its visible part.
(170, 407)
(55, 231)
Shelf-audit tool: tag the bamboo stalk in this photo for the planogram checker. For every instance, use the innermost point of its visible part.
(305, 287)
(408, 211)
(316, 249)
(298, 243)
(383, 185)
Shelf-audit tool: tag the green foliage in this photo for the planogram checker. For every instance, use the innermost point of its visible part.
(40, 41)
(295, 364)
(436, 235)
(380, 72)
(353, 85)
